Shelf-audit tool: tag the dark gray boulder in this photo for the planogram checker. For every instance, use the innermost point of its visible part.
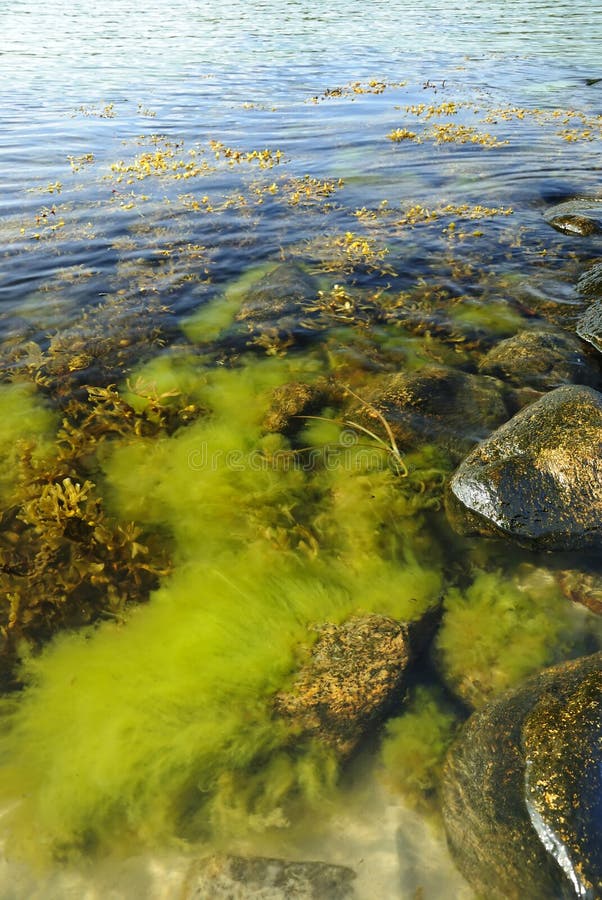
(522, 789)
(539, 359)
(227, 877)
(538, 479)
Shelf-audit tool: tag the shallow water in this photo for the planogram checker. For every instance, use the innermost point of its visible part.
(152, 156)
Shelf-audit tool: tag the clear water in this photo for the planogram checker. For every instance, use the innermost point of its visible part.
(86, 88)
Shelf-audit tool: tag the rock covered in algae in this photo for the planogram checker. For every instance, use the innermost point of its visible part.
(522, 788)
(354, 676)
(284, 291)
(263, 878)
(538, 478)
(278, 310)
(438, 405)
(543, 360)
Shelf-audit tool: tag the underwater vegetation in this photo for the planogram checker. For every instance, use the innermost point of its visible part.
(263, 549)
(166, 555)
(414, 746)
(158, 725)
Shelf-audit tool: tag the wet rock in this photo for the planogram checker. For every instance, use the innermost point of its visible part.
(522, 789)
(589, 325)
(582, 587)
(538, 479)
(542, 360)
(437, 404)
(581, 216)
(573, 224)
(262, 878)
(590, 283)
(353, 677)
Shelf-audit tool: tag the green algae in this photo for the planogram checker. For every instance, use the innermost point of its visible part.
(208, 322)
(415, 744)
(163, 726)
(501, 629)
(25, 421)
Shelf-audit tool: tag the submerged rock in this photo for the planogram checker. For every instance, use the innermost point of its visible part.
(580, 216)
(522, 789)
(228, 877)
(589, 325)
(582, 587)
(590, 283)
(354, 676)
(284, 291)
(439, 405)
(279, 310)
(542, 360)
(538, 478)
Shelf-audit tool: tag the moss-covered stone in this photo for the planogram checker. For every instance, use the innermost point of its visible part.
(354, 676)
(522, 788)
(292, 403)
(581, 216)
(571, 223)
(538, 478)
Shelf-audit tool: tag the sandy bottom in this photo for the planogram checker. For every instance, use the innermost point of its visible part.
(396, 856)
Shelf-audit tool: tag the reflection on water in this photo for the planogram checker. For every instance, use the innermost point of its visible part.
(154, 161)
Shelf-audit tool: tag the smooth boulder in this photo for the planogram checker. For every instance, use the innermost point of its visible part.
(537, 480)
(522, 789)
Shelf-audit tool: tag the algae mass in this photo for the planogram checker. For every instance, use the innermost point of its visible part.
(263, 551)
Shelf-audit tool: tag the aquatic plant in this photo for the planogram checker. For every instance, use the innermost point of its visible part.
(502, 628)
(166, 721)
(63, 561)
(415, 744)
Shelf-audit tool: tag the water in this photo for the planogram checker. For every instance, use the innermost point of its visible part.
(151, 155)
